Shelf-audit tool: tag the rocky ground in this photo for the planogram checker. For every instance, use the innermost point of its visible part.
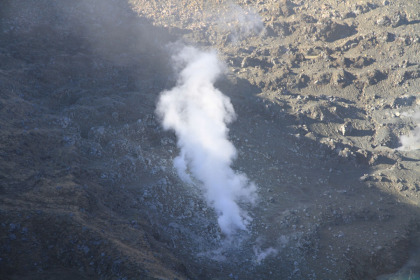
(323, 91)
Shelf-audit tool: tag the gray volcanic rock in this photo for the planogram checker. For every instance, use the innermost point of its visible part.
(323, 92)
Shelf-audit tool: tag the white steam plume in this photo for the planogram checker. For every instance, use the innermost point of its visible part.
(240, 22)
(412, 141)
(198, 113)
(261, 254)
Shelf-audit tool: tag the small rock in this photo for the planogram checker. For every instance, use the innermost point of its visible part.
(400, 187)
(364, 178)
(399, 19)
(342, 78)
(385, 137)
(331, 31)
(374, 77)
(388, 37)
(346, 128)
(286, 8)
(384, 21)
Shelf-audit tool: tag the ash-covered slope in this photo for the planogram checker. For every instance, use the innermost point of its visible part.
(78, 86)
(322, 93)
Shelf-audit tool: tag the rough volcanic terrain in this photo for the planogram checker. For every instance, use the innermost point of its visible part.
(325, 93)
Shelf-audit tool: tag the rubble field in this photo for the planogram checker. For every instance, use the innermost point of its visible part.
(324, 92)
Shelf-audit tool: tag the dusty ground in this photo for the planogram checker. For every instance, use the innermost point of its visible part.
(322, 89)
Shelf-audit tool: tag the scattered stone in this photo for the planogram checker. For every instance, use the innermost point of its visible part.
(399, 19)
(362, 61)
(330, 31)
(349, 14)
(364, 8)
(384, 21)
(307, 18)
(302, 80)
(105, 139)
(403, 101)
(372, 77)
(281, 28)
(252, 61)
(401, 187)
(296, 59)
(342, 78)
(286, 8)
(364, 178)
(384, 136)
(346, 128)
(387, 37)
(322, 79)
(411, 74)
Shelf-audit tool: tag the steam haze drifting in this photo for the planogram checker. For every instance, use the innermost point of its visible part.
(199, 113)
(412, 141)
(240, 22)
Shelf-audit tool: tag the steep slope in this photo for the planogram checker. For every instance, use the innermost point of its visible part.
(322, 91)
